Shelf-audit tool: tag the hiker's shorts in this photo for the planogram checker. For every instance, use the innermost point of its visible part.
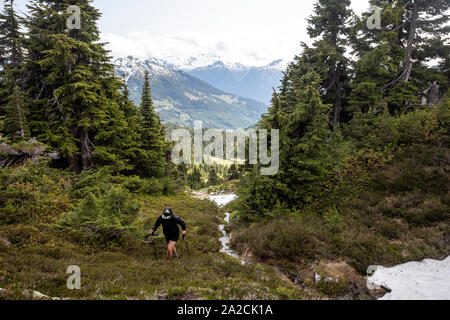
(172, 237)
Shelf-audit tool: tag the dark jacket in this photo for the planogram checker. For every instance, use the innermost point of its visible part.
(170, 226)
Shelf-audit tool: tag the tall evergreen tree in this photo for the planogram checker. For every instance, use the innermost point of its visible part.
(394, 63)
(153, 138)
(72, 83)
(13, 101)
(304, 148)
(213, 178)
(15, 123)
(11, 53)
(328, 25)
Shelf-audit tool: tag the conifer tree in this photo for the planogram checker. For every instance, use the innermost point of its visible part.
(153, 138)
(126, 143)
(233, 172)
(15, 123)
(213, 178)
(393, 67)
(328, 25)
(13, 101)
(195, 178)
(11, 53)
(304, 161)
(72, 83)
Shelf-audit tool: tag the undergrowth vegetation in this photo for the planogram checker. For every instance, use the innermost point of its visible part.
(391, 206)
(52, 219)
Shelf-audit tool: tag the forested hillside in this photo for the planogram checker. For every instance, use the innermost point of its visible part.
(364, 143)
(363, 116)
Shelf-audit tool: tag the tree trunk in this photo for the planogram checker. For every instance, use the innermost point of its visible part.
(85, 153)
(19, 112)
(407, 63)
(338, 107)
(338, 87)
(73, 163)
(433, 96)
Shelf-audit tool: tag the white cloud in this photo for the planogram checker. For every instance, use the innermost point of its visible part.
(252, 32)
(254, 50)
(255, 32)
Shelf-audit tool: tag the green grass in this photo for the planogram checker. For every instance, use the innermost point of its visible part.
(39, 255)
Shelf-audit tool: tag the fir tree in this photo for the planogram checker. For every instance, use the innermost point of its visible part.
(213, 178)
(14, 108)
(195, 178)
(72, 83)
(393, 67)
(153, 138)
(15, 123)
(328, 25)
(304, 161)
(11, 39)
(233, 172)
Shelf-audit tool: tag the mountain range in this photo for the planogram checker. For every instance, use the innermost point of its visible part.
(181, 98)
(252, 82)
(221, 94)
(255, 82)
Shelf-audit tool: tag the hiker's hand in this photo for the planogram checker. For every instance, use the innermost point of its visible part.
(184, 233)
(151, 232)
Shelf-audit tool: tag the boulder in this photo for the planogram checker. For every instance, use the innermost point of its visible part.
(5, 242)
(371, 270)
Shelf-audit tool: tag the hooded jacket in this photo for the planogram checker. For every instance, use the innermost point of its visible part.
(170, 224)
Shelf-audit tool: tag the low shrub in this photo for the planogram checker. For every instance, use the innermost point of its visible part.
(283, 238)
(105, 217)
(33, 193)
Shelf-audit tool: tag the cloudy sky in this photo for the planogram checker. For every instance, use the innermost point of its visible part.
(252, 32)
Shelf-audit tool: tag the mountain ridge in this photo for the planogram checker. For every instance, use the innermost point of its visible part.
(182, 98)
(256, 83)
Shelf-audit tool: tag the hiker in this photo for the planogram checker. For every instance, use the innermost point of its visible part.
(171, 231)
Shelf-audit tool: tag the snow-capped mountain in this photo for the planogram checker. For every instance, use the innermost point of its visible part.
(182, 98)
(208, 59)
(253, 82)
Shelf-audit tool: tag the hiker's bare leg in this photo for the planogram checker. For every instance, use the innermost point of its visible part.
(170, 249)
(174, 250)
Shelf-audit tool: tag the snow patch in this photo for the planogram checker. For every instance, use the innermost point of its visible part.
(426, 280)
(191, 96)
(222, 200)
(227, 98)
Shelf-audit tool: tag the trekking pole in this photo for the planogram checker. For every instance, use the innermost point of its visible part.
(152, 242)
(187, 247)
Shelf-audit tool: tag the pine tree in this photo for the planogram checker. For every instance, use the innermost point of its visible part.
(195, 178)
(328, 25)
(393, 67)
(13, 101)
(15, 123)
(153, 138)
(213, 178)
(233, 172)
(71, 81)
(304, 148)
(11, 53)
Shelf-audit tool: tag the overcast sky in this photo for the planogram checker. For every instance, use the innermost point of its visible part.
(253, 32)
